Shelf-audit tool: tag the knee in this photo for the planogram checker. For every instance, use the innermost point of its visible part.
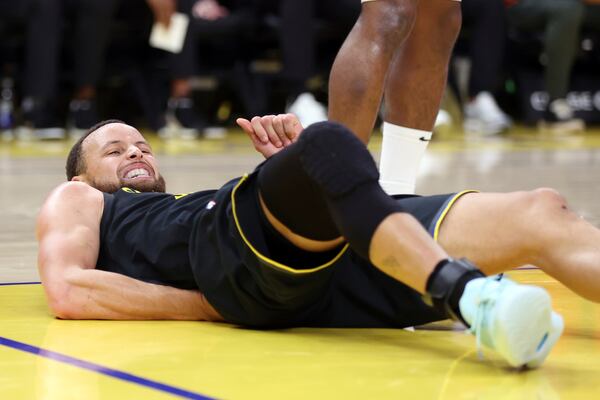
(436, 29)
(449, 19)
(326, 131)
(335, 159)
(391, 21)
(333, 142)
(444, 21)
(547, 199)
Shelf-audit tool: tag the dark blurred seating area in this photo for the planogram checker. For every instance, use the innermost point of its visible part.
(66, 64)
(531, 61)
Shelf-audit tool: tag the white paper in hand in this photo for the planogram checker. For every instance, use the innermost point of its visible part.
(171, 38)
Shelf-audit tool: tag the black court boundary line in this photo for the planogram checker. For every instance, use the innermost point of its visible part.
(19, 283)
(113, 373)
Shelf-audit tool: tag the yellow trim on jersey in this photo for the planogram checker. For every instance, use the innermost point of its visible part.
(266, 259)
(438, 223)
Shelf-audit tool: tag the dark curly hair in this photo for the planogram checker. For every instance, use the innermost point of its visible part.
(75, 162)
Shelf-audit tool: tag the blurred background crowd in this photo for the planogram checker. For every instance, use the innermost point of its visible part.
(66, 64)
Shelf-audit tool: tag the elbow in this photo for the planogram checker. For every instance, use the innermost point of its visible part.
(59, 302)
(62, 310)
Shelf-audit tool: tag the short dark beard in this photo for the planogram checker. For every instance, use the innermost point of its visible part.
(158, 185)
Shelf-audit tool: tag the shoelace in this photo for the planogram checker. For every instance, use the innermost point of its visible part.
(485, 301)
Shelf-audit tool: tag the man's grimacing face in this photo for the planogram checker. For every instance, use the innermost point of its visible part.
(117, 155)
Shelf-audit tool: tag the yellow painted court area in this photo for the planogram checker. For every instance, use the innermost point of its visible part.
(45, 358)
(187, 359)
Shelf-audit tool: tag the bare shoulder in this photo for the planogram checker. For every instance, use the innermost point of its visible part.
(71, 201)
(73, 194)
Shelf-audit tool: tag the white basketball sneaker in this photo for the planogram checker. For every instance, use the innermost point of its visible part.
(515, 320)
(484, 116)
(308, 109)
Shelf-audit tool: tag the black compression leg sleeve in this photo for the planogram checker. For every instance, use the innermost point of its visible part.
(326, 185)
(293, 198)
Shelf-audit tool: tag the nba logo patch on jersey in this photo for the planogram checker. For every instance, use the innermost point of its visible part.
(210, 204)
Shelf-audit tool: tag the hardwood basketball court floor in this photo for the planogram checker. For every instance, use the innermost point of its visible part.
(45, 358)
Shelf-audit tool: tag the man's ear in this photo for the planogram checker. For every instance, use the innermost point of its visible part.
(78, 178)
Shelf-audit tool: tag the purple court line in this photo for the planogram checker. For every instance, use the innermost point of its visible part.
(18, 283)
(124, 376)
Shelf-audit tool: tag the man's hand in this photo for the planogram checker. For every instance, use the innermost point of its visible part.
(271, 133)
(209, 10)
(162, 10)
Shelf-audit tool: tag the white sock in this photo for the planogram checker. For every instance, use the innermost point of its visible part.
(401, 152)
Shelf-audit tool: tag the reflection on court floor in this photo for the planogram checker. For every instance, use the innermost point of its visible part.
(41, 357)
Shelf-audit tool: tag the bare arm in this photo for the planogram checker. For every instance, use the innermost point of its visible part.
(68, 235)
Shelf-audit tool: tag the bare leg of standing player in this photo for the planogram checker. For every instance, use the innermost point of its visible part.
(398, 49)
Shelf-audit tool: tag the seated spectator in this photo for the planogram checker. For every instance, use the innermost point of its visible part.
(483, 35)
(39, 21)
(222, 22)
(297, 36)
(560, 21)
(486, 24)
(91, 22)
(44, 21)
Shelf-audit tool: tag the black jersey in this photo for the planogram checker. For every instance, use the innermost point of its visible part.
(217, 242)
(203, 241)
(147, 235)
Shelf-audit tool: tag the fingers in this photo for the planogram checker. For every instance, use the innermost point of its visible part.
(288, 127)
(278, 126)
(292, 126)
(245, 125)
(265, 124)
(249, 129)
(274, 124)
(262, 133)
(280, 130)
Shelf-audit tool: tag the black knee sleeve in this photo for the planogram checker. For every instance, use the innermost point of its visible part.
(336, 159)
(293, 198)
(342, 167)
(326, 186)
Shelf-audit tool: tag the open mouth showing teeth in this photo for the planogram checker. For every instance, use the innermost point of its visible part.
(136, 173)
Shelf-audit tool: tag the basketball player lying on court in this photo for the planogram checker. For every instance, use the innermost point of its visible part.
(308, 239)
